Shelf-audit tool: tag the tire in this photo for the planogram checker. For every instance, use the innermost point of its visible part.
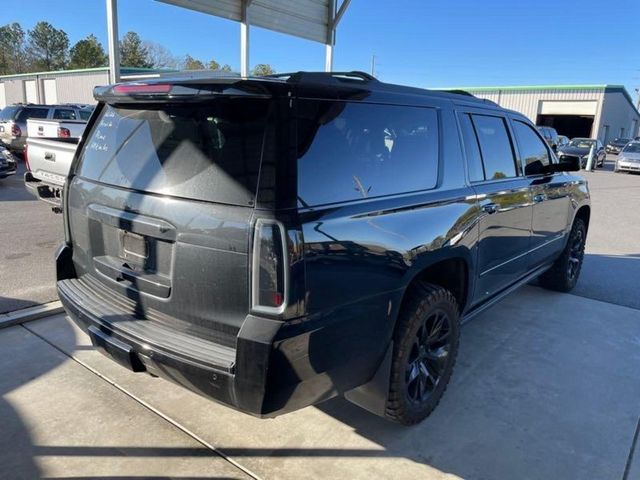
(426, 343)
(564, 273)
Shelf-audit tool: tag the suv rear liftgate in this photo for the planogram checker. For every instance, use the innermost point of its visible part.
(169, 262)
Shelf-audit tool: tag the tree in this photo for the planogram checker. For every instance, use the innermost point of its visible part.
(225, 68)
(191, 63)
(262, 69)
(12, 49)
(87, 53)
(133, 53)
(213, 65)
(160, 56)
(48, 46)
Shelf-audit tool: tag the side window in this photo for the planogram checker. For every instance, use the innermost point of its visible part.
(533, 150)
(472, 149)
(85, 114)
(348, 151)
(64, 114)
(495, 145)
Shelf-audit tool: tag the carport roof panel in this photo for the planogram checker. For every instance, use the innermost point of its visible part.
(308, 19)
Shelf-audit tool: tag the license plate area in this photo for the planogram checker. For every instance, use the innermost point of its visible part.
(118, 351)
(134, 247)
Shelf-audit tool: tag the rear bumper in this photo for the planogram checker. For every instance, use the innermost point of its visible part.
(628, 167)
(7, 169)
(275, 368)
(15, 144)
(47, 192)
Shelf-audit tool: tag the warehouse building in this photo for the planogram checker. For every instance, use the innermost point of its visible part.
(66, 86)
(602, 111)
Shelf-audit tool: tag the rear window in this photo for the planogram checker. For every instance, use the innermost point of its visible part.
(349, 151)
(27, 113)
(64, 114)
(210, 151)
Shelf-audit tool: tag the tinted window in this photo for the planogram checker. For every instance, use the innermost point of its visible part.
(497, 153)
(209, 151)
(85, 113)
(472, 149)
(533, 150)
(8, 113)
(64, 114)
(32, 113)
(349, 151)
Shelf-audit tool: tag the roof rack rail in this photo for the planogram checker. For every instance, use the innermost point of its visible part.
(459, 92)
(298, 77)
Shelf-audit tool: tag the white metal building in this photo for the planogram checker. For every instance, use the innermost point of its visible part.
(66, 86)
(602, 111)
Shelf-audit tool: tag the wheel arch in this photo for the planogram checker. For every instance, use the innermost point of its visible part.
(452, 271)
(583, 213)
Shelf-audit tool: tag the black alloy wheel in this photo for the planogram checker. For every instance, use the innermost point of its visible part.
(428, 357)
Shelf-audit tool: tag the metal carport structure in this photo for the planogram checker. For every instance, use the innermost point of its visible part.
(315, 20)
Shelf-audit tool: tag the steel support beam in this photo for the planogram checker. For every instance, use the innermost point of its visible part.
(114, 47)
(331, 36)
(244, 39)
(334, 17)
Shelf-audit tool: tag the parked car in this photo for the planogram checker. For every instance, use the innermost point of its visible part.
(550, 135)
(562, 141)
(580, 147)
(279, 241)
(13, 120)
(629, 159)
(8, 164)
(617, 144)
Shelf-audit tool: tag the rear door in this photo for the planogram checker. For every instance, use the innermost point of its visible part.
(505, 201)
(160, 210)
(549, 193)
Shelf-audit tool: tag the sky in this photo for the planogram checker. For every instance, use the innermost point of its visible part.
(426, 43)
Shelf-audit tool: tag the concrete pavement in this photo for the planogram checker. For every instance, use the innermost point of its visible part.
(29, 235)
(546, 386)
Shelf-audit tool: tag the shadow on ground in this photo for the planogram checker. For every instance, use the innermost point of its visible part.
(610, 278)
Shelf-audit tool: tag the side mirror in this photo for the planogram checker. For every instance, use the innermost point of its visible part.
(567, 163)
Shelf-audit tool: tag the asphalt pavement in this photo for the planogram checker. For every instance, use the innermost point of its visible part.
(29, 234)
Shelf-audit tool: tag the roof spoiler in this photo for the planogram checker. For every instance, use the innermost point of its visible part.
(178, 90)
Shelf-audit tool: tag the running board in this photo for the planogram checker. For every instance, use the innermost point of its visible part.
(499, 296)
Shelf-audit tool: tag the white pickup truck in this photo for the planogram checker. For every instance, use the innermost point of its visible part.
(51, 145)
(48, 162)
(38, 128)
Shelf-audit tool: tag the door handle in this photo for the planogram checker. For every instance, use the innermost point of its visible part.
(539, 198)
(490, 208)
(49, 156)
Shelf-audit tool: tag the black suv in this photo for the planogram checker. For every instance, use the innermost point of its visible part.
(274, 242)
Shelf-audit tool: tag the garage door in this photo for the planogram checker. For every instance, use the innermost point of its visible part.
(585, 107)
(3, 96)
(50, 92)
(30, 91)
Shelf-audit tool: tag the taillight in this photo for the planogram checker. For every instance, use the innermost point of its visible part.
(15, 130)
(64, 132)
(138, 88)
(25, 154)
(269, 269)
